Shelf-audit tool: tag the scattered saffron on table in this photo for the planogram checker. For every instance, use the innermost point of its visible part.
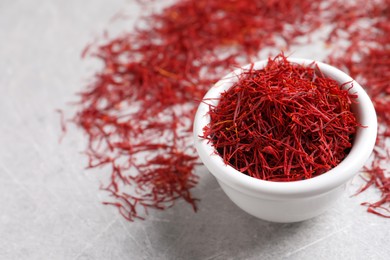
(286, 122)
(137, 112)
(367, 59)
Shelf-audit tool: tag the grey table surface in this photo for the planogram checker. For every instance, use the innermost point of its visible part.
(50, 206)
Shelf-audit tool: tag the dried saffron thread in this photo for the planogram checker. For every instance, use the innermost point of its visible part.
(367, 59)
(63, 124)
(137, 112)
(286, 122)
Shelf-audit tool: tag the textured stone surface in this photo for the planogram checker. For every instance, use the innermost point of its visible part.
(50, 206)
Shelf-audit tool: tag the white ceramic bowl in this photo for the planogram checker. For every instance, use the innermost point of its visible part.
(288, 201)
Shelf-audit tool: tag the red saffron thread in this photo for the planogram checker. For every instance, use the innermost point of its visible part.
(137, 112)
(366, 58)
(63, 124)
(286, 122)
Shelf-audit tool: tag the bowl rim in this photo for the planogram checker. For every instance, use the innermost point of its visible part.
(360, 152)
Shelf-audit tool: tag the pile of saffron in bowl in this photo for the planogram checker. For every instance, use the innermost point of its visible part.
(285, 122)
